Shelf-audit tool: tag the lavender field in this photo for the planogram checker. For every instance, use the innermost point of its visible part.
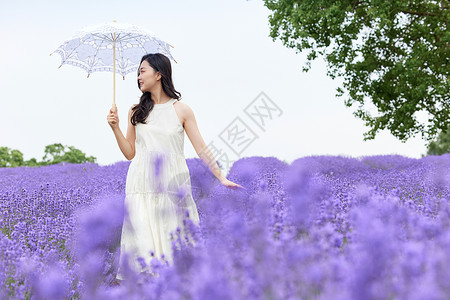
(320, 228)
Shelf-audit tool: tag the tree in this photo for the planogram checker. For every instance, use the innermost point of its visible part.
(393, 54)
(441, 145)
(10, 157)
(56, 153)
(76, 156)
(32, 163)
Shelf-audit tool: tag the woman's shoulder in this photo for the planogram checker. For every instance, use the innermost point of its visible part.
(130, 111)
(182, 106)
(183, 110)
(133, 106)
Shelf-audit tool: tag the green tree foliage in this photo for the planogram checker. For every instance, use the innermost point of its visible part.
(10, 158)
(54, 154)
(394, 53)
(441, 145)
(32, 163)
(57, 153)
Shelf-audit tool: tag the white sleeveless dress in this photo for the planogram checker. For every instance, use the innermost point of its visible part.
(158, 189)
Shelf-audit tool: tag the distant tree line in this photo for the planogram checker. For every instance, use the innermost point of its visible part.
(53, 154)
(441, 145)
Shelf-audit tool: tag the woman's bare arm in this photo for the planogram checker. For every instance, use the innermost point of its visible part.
(126, 145)
(191, 128)
(193, 133)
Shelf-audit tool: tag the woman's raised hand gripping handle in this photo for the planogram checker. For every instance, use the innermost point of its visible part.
(126, 144)
(113, 117)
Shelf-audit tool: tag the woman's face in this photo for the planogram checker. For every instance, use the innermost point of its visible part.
(148, 77)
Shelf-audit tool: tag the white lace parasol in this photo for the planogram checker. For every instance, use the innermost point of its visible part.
(92, 48)
(111, 47)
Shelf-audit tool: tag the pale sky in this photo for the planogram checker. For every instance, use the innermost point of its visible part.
(225, 60)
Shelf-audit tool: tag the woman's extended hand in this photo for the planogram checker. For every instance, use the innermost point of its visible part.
(113, 117)
(229, 184)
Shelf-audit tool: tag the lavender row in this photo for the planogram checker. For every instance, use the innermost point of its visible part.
(322, 227)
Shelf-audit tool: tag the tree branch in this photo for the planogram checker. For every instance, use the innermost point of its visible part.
(419, 13)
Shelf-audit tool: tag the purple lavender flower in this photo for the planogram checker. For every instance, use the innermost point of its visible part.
(322, 227)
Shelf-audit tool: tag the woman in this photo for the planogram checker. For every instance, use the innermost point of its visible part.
(158, 187)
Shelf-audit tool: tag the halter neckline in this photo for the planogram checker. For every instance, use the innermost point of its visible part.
(164, 103)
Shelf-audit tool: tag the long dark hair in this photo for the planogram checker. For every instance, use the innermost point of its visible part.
(160, 63)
